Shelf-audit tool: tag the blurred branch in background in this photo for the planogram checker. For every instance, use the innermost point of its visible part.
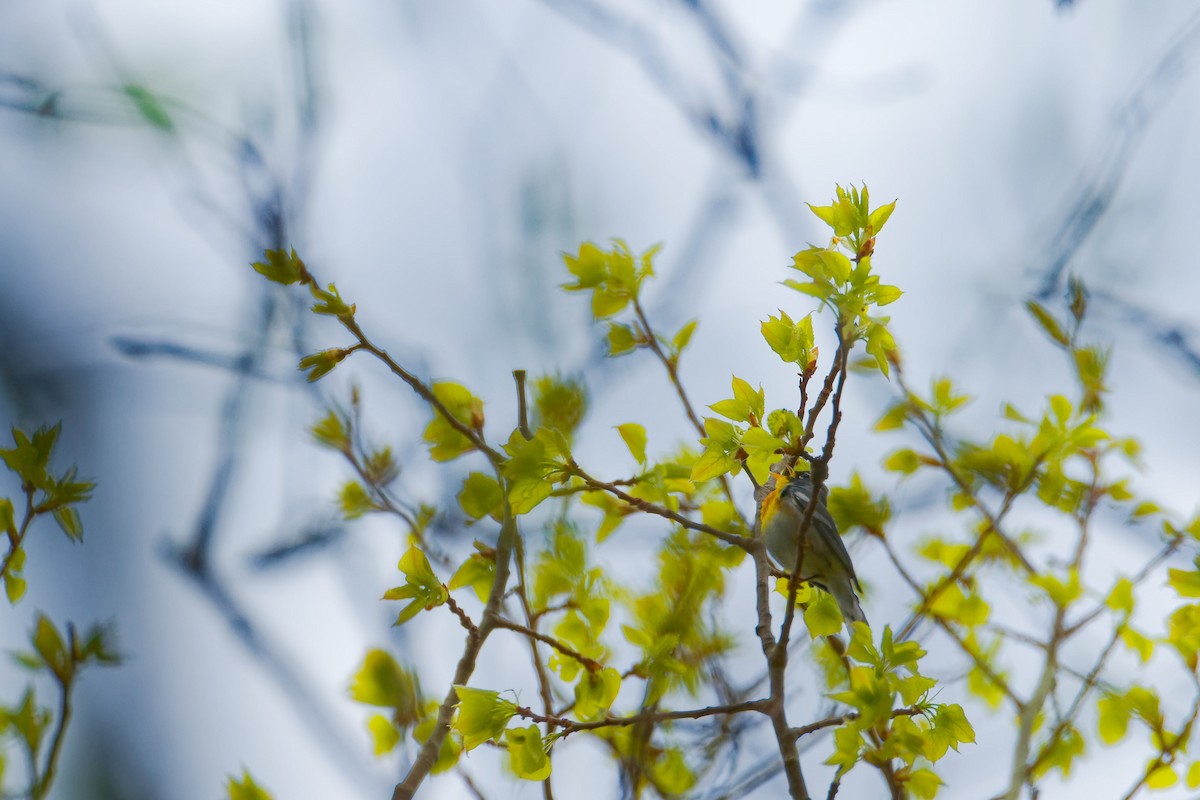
(273, 199)
(1101, 180)
(738, 116)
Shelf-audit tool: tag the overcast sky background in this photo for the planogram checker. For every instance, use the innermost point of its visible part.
(434, 159)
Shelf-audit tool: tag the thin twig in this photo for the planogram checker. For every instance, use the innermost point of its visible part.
(591, 664)
(463, 618)
(570, 726)
(42, 788)
(651, 508)
(833, 722)
(522, 404)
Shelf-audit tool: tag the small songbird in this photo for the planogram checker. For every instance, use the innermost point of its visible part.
(826, 562)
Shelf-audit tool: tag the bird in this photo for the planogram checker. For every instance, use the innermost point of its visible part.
(826, 562)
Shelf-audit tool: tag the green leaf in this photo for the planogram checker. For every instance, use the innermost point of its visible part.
(99, 645)
(321, 364)
(332, 431)
(478, 572)
(595, 692)
(823, 265)
(6, 517)
(980, 684)
(1138, 643)
(384, 734)
(847, 742)
(329, 302)
(671, 774)
(28, 721)
(839, 216)
(792, 341)
(1061, 407)
(526, 753)
(1185, 582)
(1049, 324)
(481, 495)
(559, 403)
(880, 216)
(68, 519)
(886, 295)
(354, 500)
(923, 784)
(635, 439)
(1121, 597)
(761, 452)
(588, 267)
(609, 301)
(446, 442)
(246, 788)
(1161, 777)
(822, 617)
(1113, 720)
(904, 461)
(49, 644)
(1061, 753)
(951, 719)
(684, 336)
(31, 455)
(1060, 593)
(482, 716)
(380, 681)
(281, 267)
(713, 463)
(622, 339)
(450, 750)
(914, 687)
(785, 425)
(14, 587)
(893, 418)
(421, 586)
(1193, 775)
(531, 469)
(880, 344)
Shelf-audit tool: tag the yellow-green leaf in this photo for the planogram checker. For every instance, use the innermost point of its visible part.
(713, 463)
(595, 692)
(1121, 597)
(635, 439)
(923, 784)
(445, 441)
(1193, 775)
(1049, 324)
(527, 754)
(421, 586)
(671, 773)
(380, 681)
(482, 715)
(1185, 582)
(1113, 718)
(823, 617)
(1162, 777)
(481, 496)
(478, 572)
(1138, 643)
(384, 734)
(246, 788)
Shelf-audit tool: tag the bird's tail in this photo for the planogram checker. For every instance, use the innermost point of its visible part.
(847, 601)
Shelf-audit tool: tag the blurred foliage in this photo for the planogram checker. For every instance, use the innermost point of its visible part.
(35, 730)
